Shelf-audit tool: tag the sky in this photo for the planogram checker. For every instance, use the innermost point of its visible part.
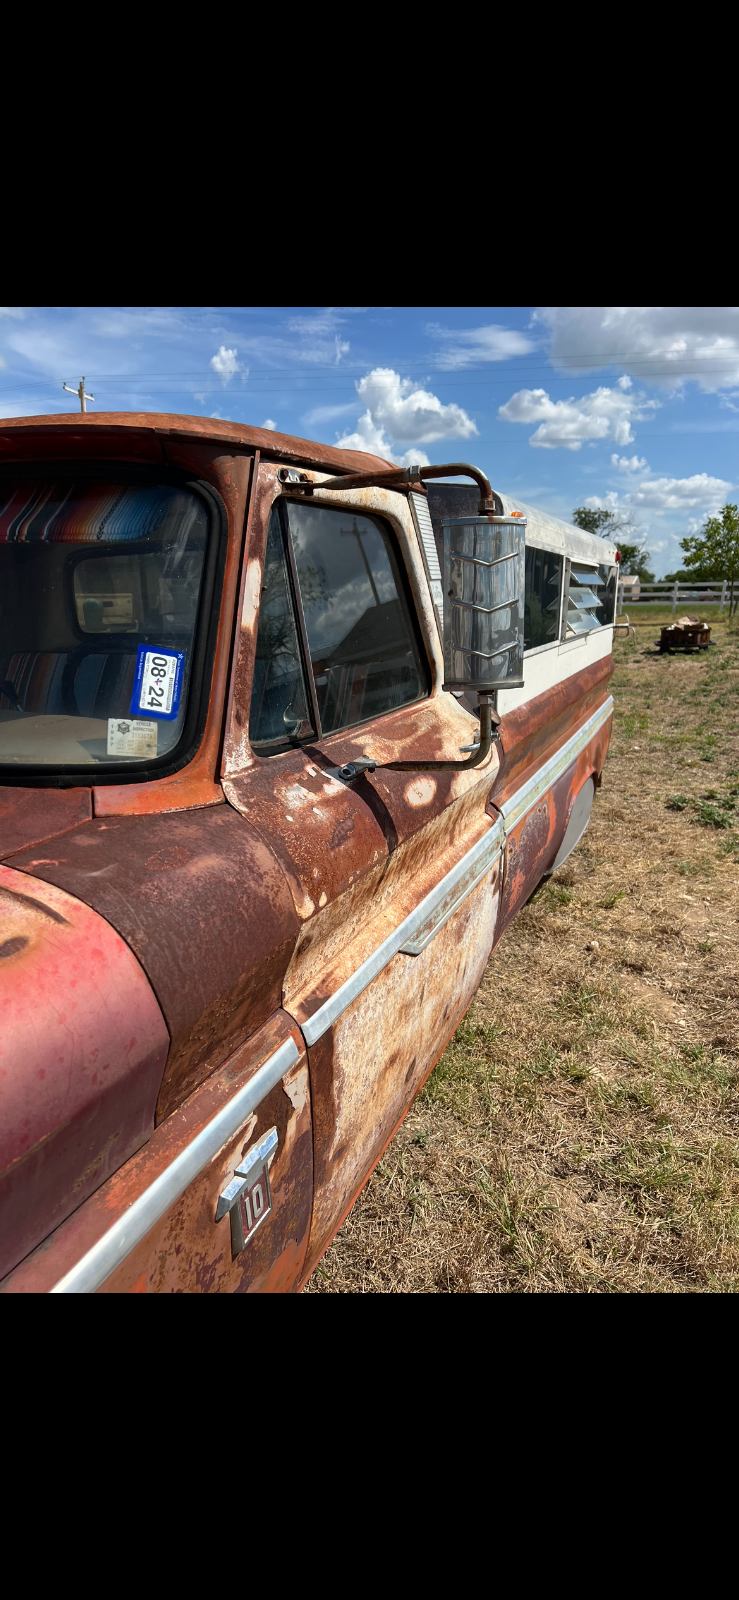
(635, 408)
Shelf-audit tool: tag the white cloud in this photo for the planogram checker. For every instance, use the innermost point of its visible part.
(269, 425)
(629, 463)
(566, 424)
(670, 344)
(224, 362)
(368, 436)
(399, 412)
(698, 493)
(465, 346)
(320, 333)
(409, 413)
(12, 311)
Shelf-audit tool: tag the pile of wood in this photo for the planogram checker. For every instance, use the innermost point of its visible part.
(687, 633)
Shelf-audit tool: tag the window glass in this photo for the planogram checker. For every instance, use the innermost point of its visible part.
(279, 710)
(99, 596)
(606, 591)
(581, 614)
(360, 640)
(543, 583)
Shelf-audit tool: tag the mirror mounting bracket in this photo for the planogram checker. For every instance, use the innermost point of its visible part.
(489, 731)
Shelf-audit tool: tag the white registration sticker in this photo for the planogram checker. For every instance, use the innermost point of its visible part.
(158, 680)
(130, 736)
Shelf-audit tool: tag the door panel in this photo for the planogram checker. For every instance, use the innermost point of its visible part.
(358, 861)
(367, 1068)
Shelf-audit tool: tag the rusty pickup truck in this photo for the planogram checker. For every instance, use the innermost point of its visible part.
(287, 737)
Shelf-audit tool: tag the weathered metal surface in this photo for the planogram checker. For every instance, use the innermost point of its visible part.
(533, 731)
(28, 816)
(147, 434)
(383, 936)
(82, 1050)
(187, 1251)
(335, 942)
(532, 844)
(366, 1070)
(544, 776)
(202, 903)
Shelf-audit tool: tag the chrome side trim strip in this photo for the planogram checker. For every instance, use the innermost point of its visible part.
(456, 884)
(527, 796)
(94, 1267)
(446, 908)
(429, 917)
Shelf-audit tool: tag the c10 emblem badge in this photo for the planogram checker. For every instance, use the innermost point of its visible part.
(248, 1197)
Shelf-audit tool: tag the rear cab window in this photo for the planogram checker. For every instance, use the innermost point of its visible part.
(102, 589)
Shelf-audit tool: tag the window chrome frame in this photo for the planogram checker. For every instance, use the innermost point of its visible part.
(399, 569)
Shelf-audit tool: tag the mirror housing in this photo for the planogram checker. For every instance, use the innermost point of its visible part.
(485, 583)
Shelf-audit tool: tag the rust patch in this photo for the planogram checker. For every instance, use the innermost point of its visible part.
(365, 1073)
(82, 1050)
(533, 844)
(187, 1252)
(202, 903)
(167, 859)
(535, 730)
(28, 816)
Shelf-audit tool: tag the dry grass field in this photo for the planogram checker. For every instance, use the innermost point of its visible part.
(581, 1132)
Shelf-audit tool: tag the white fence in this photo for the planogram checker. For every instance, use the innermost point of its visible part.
(660, 594)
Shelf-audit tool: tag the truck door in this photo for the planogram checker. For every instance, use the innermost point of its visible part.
(394, 876)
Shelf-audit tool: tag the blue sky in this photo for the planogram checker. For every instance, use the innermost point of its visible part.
(636, 408)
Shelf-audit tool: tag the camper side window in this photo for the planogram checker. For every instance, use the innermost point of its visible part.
(582, 602)
(543, 589)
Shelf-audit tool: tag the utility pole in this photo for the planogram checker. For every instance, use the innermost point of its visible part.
(354, 532)
(80, 393)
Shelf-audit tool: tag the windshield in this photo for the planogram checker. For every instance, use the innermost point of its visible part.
(99, 592)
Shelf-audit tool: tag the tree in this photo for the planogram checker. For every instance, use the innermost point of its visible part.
(634, 562)
(713, 554)
(616, 526)
(592, 521)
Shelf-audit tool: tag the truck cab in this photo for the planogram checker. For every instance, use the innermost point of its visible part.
(256, 846)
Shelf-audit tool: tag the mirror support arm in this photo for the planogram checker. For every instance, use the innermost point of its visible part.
(489, 724)
(394, 478)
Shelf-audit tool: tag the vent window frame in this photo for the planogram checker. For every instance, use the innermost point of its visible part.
(280, 504)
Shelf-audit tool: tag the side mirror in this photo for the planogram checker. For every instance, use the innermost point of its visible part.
(485, 583)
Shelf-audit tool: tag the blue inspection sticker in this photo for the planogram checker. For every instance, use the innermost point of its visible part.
(157, 687)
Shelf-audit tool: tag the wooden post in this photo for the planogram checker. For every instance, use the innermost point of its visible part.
(674, 597)
(723, 598)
